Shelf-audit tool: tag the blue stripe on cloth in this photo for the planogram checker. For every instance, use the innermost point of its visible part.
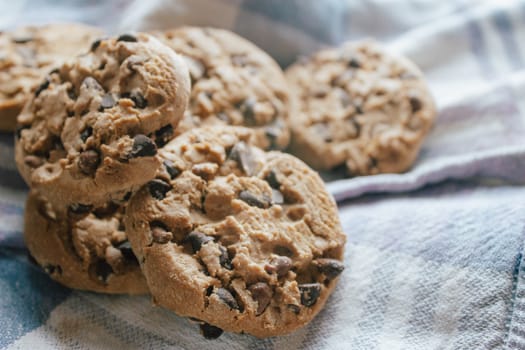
(28, 296)
(303, 17)
(375, 305)
(506, 31)
(479, 47)
(451, 221)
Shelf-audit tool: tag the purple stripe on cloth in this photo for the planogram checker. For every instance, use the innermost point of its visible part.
(479, 47)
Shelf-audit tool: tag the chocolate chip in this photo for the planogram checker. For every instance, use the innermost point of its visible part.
(95, 45)
(271, 178)
(227, 298)
(239, 60)
(280, 265)
(143, 146)
(139, 100)
(358, 109)
(106, 211)
(158, 188)
(331, 268)
(210, 332)
(86, 133)
(88, 162)
(160, 235)
(54, 71)
(242, 153)
(354, 63)
(128, 38)
(251, 199)
(415, 104)
(52, 269)
(323, 131)
(170, 168)
(224, 117)
(224, 258)
(23, 39)
(42, 87)
(107, 101)
(19, 128)
(92, 84)
(127, 252)
(33, 161)
(247, 108)
(197, 240)
(163, 135)
(79, 209)
(262, 294)
(103, 270)
(277, 197)
(294, 308)
(272, 133)
(70, 114)
(309, 293)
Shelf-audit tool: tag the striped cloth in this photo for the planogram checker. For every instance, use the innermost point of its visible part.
(434, 256)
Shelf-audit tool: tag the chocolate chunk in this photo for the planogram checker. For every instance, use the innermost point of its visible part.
(143, 146)
(107, 101)
(415, 104)
(253, 200)
(158, 188)
(70, 114)
(262, 294)
(197, 240)
(106, 211)
(170, 168)
(163, 135)
(42, 87)
(277, 197)
(227, 298)
(103, 270)
(127, 252)
(224, 258)
(271, 178)
(242, 153)
(71, 93)
(80, 209)
(331, 268)
(309, 293)
(128, 38)
(139, 100)
(95, 45)
(54, 71)
(33, 161)
(247, 108)
(358, 109)
(160, 235)
(210, 332)
(280, 265)
(88, 162)
(86, 133)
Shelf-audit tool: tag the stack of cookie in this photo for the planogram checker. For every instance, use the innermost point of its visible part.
(154, 166)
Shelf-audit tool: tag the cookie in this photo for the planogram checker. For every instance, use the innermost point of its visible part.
(82, 247)
(233, 82)
(91, 130)
(234, 237)
(359, 108)
(27, 54)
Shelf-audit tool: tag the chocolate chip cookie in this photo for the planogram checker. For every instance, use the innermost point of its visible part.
(233, 82)
(83, 247)
(359, 108)
(27, 54)
(234, 237)
(91, 130)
